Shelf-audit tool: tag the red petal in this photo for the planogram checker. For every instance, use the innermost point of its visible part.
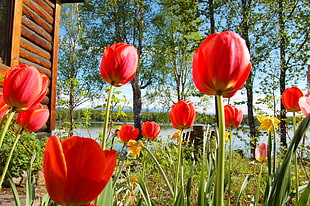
(55, 170)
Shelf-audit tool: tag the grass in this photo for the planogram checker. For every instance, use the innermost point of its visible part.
(167, 157)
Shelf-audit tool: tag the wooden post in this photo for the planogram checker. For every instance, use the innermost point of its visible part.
(308, 77)
(54, 66)
(16, 32)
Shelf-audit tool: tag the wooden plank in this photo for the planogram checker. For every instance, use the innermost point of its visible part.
(39, 67)
(308, 79)
(72, 1)
(16, 32)
(36, 28)
(37, 9)
(3, 69)
(50, 3)
(52, 122)
(37, 39)
(35, 58)
(37, 19)
(34, 48)
(45, 6)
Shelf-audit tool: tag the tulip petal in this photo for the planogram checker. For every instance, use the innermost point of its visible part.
(304, 103)
(55, 169)
(87, 166)
(221, 64)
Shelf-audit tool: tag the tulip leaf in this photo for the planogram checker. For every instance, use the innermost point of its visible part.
(201, 190)
(106, 196)
(30, 184)
(281, 181)
(189, 185)
(144, 192)
(14, 190)
(180, 198)
(303, 200)
(243, 186)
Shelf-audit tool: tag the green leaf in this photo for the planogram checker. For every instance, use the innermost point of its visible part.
(304, 198)
(189, 185)
(106, 196)
(144, 192)
(180, 199)
(30, 184)
(201, 189)
(14, 190)
(243, 186)
(279, 189)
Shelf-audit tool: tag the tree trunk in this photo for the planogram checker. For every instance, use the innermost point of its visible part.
(246, 6)
(137, 102)
(283, 67)
(136, 88)
(71, 110)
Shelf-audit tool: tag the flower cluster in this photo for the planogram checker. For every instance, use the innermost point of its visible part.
(78, 169)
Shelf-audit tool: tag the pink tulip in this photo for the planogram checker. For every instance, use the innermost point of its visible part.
(261, 152)
(304, 104)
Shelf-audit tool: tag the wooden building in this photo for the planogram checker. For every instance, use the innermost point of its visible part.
(29, 32)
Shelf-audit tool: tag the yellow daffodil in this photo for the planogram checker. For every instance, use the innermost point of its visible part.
(117, 131)
(177, 135)
(135, 148)
(227, 136)
(268, 123)
(299, 116)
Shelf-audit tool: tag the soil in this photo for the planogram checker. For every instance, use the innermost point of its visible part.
(7, 198)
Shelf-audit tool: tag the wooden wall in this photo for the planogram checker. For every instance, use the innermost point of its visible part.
(35, 35)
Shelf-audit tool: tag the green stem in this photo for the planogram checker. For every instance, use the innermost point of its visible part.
(258, 185)
(161, 171)
(274, 152)
(269, 149)
(178, 166)
(106, 120)
(9, 159)
(143, 160)
(229, 166)
(219, 199)
(6, 126)
(296, 162)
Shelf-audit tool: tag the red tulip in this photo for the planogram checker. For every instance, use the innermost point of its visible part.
(233, 116)
(290, 98)
(128, 132)
(3, 106)
(150, 130)
(304, 103)
(33, 119)
(76, 170)
(182, 115)
(119, 63)
(261, 152)
(221, 64)
(24, 86)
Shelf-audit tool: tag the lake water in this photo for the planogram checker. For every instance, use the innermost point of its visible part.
(240, 136)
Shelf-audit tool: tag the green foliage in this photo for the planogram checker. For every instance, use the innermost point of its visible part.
(28, 144)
